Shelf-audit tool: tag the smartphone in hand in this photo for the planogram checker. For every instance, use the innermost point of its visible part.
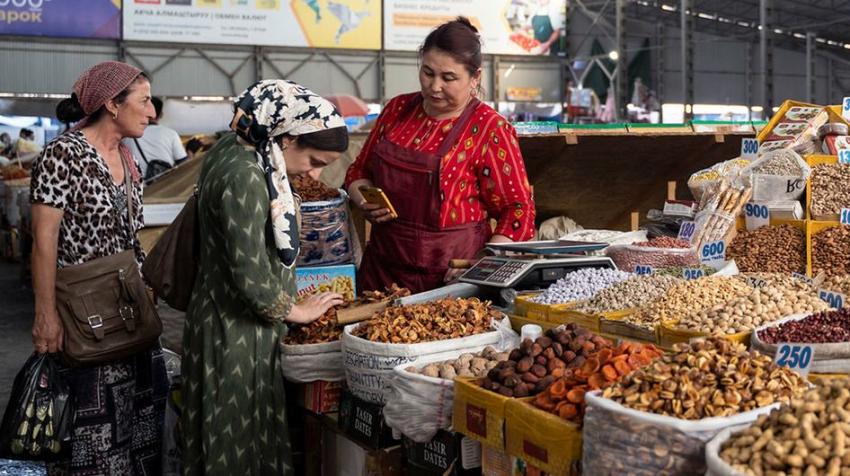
(376, 196)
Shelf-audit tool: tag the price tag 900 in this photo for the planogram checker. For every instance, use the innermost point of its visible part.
(756, 215)
(713, 252)
(686, 230)
(797, 357)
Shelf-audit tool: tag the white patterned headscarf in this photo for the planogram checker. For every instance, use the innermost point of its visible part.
(269, 109)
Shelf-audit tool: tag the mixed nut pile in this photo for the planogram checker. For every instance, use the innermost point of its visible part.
(830, 190)
(312, 190)
(580, 284)
(439, 320)
(770, 249)
(629, 294)
(809, 436)
(707, 378)
(831, 251)
(466, 365)
(821, 328)
(532, 367)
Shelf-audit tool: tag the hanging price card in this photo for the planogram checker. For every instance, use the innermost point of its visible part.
(713, 253)
(756, 215)
(804, 278)
(835, 300)
(844, 217)
(845, 108)
(692, 273)
(797, 357)
(642, 270)
(686, 230)
(749, 149)
(844, 156)
(757, 283)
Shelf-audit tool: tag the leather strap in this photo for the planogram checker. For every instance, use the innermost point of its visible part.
(139, 146)
(128, 189)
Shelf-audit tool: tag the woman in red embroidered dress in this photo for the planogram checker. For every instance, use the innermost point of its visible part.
(448, 163)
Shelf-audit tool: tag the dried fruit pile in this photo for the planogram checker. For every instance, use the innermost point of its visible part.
(532, 367)
(444, 319)
(13, 172)
(708, 378)
(565, 397)
(311, 190)
(325, 328)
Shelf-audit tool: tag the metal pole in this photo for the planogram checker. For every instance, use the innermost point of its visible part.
(810, 58)
(829, 79)
(660, 51)
(687, 59)
(497, 95)
(749, 81)
(766, 57)
(622, 80)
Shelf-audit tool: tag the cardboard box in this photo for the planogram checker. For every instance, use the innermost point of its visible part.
(319, 396)
(344, 457)
(542, 439)
(450, 454)
(340, 279)
(479, 413)
(364, 422)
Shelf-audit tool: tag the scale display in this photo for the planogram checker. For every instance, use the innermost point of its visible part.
(506, 272)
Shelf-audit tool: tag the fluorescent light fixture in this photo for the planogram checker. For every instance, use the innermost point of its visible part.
(614, 55)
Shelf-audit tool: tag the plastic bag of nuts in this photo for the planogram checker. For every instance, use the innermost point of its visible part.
(657, 419)
(806, 437)
(627, 257)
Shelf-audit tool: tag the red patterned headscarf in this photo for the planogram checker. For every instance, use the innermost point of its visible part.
(96, 86)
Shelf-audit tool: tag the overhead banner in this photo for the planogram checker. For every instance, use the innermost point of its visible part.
(507, 27)
(353, 24)
(61, 18)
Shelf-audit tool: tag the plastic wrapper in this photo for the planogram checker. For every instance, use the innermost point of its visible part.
(701, 181)
(606, 236)
(828, 358)
(781, 186)
(554, 228)
(37, 421)
(310, 362)
(326, 237)
(620, 440)
(369, 365)
(626, 257)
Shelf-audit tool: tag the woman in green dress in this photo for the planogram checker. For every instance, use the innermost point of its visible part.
(234, 418)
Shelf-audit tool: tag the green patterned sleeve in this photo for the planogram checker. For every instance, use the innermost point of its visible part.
(259, 281)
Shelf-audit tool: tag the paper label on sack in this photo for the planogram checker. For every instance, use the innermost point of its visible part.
(756, 215)
(797, 357)
(470, 453)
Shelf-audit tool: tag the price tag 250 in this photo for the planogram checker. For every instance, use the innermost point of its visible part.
(797, 357)
(687, 230)
(692, 273)
(713, 252)
(749, 149)
(643, 270)
(756, 215)
(835, 300)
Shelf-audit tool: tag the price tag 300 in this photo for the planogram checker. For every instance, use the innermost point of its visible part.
(835, 300)
(797, 357)
(687, 230)
(713, 253)
(756, 215)
(749, 149)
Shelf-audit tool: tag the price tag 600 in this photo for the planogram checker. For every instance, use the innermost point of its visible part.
(835, 300)
(749, 149)
(643, 270)
(713, 252)
(756, 215)
(686, 230)
(844, 156)
(844, 217)
(692, 273)
(797, 357)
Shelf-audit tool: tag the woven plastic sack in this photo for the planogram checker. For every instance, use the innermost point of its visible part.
(325, 236)
(620, 440)
(304, 363)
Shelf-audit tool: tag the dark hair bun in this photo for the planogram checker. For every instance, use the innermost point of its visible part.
(69, 110)
(465, 22)
(458, 38)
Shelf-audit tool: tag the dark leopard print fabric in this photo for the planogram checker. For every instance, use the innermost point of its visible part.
(70, 175)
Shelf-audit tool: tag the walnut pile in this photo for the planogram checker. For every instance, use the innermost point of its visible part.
(311, 190)
(325, 328)
(439, 320)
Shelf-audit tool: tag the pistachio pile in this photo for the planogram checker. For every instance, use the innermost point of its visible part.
(762, 306)
(687, 297)
(707, 378)
(831, 251)
(770, 249)
(629, 294)
(830, 190)
(809, 436)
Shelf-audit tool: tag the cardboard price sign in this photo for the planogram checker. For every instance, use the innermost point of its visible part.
(797, 357)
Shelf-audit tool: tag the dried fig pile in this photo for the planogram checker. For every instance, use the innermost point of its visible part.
(532, 367)
(311, 190)
(439, 320)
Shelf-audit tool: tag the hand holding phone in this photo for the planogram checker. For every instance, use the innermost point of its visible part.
(378, 205)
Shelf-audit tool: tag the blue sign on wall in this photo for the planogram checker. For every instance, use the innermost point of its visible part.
(61, 18)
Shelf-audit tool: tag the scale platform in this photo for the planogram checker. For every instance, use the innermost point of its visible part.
(540, 264)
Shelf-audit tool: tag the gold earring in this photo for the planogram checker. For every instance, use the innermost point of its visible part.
(115, 115)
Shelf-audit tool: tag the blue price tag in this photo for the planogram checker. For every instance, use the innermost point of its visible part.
(756, 215)
(844, 217)
(687, 230)
(713, 252)
(692, 273)
(797, 357)
(643, 270)
(749, 149)
(835, 300)
(845, 108)
(844, 156)
(804, 278)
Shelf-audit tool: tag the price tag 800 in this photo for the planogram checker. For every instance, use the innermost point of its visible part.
(749, 149)
(686, 230)
(756, 215)
(713, 252)
(797, 357)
